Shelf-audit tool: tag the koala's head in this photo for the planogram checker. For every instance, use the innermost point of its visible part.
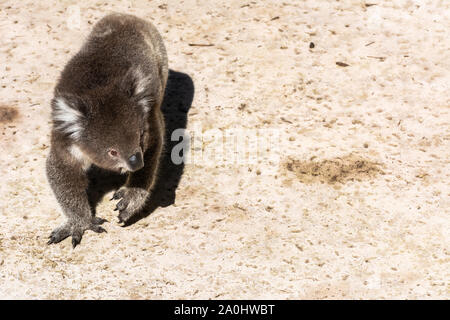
(108, 125)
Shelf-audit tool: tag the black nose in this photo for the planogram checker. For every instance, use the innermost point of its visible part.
(135, 161)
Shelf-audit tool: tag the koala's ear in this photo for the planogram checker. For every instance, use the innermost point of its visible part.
(137, 86)
(69, 114)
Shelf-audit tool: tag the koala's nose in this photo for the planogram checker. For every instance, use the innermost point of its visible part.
(135, 161)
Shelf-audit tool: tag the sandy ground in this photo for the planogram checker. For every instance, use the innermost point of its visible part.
(357, 205)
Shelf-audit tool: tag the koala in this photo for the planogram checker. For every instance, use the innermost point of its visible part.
(106, 112)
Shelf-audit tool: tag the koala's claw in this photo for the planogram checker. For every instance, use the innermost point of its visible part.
(119, 194)
(59, 234)
(98, 229)
(76, 230)
(77, 234)
(122, 204)
(133, 200)
(97, 220)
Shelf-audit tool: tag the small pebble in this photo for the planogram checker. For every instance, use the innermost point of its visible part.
(311, 45)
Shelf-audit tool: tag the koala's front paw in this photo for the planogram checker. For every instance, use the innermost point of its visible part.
(75, 229)
(133, 200)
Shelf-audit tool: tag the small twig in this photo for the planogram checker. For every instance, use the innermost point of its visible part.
(285, 120)
(201, 44)
(370, 43)
(379, 58)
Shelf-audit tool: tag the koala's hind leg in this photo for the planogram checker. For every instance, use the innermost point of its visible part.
(138, 188)
(68, 181)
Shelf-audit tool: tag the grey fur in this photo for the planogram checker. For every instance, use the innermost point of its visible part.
(107, 108)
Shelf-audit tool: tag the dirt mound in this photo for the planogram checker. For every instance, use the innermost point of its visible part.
(338, 170)
(7, 114)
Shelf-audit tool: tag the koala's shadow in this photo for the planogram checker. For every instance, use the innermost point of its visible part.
(177, 102)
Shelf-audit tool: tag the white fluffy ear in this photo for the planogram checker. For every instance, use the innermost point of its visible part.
(141, 81)
(66, 117)
(138, 86)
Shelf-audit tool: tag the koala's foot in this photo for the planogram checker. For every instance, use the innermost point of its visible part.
(133, 200)
(75, 229)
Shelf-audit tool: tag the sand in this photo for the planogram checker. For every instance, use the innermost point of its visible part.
(351, 202)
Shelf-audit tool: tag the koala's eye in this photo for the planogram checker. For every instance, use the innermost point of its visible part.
(113, 153)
